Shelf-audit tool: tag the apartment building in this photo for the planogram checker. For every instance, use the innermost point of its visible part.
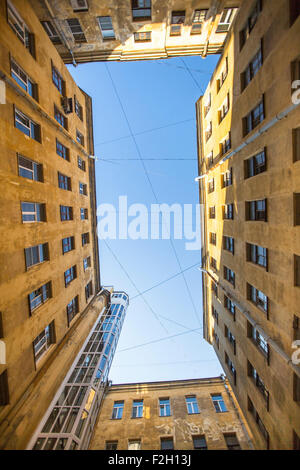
(249, 179)
(89, 30)
(190, 414)
(50, 287)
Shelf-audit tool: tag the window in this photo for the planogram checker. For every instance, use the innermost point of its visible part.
(230, 338)
(224, 108)
(296, 441)
(296, 144)
(177, 19)
(198, 19)
(297, 270)
(27, 126)
(118, 410)
(256, 164)
(227, 178)
(141, 10)
(85, 238)
(137, 409)
(257, 297)
(214, 288)
(251, 21)
(228, 244)
(232, 441)
(39, 296)
(254, 118)
(58, 81)
(226, 20)
(210, 159)
(166, 443)
(257, 254)
(23, 79)
(20, 28)
(142, 36)
(228, 211)
(296, 327)
(81, 163)
(218, 402)
(213, 238)
(36, 254)
(83, 214)
(215, 314)
(252, 68)
(229, 275)
(134, 445)
(296, 388)
(88, 290)
(76, 30)
(164, 407)
(78, 108)
(212, 212)
(86, 263)
(62, 151)
(207, 104)
(258, 339)
(192, 405)
(256, 210)
(231, 367)
(211, 185)
(80, 5)
(258, 382)
(213, 263)
(29, 169)
(294, 11)
(66, 213)
(225, 145)
(79, 138)
(43, 341)
(70, 274)
(106, 27)
(229, 305)
(64, 182)
(4, 394)
(216, 338)
(72, 309)
(68, 244)
(51, 31)
(82, 188)
(223, 75)
(199, 442)
(60, 118)
(111, 445)
(258, 421)
(33, 212)
(208, 131)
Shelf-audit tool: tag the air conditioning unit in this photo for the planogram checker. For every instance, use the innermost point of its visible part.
(67, 104)
(79, 5)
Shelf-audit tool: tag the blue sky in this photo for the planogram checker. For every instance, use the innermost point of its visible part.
(154, 94)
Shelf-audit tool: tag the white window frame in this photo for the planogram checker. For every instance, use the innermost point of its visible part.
(18, 71)
(34, 212)
(14, 16)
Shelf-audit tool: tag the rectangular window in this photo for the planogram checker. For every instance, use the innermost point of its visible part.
(229, 305)
(177, 19)
(76, 30)
(212, 212)
(192, 405)
(256, 210)
(296, 144)
(86, 263)
(164, 407)
(72, 309)
(230, 338)
(199, 442)
(39, 296)
(252, 372)
(111, 445)
(256, 164)
(66, 213)
(27, 126)
(20, 28)
(4, 394)
(70, 274)
(216, 338)
(81, 163)
(85, 238)
(142, 36)
(215, 314)
(257, 254)
(213, 263)
(62, 151)
(23, 79)
(252, 68)
(64, 182)
(232, 441)
(225, 145)
(29, 169)
(254, 118)
(106, 27)
(33, 212)
(228, 211)
(208, 131)
(166, 443)
(231, 367)
(88, 290)
(297, 270)
(258, 421)
(213, 238)
(229, 275)
(207, 104)
(296, 208)
(68, 244)
(198, 19)
(227, 178)
(80, 5)
(223, 75)
(134, 445)
(141, 10)
(214, 288)
(250, 23)
(83, 189)
(43, 341)
(211, 185)
(117, 412)
(296, 388)
(60, 118)
(218, 403)
(258, 339)
(224, 108)
(78, 108)
(83, 214)
(51, 31)
(226, 20)
(36, 254)
(228, 244)
(296, 327)
(79, 138)
(58, 81)
(257, 297)
(137, 409)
